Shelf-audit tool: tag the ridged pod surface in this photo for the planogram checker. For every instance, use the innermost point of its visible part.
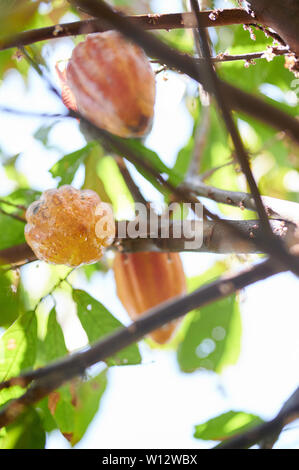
(144, 280)
(113, 84)
(69, 226)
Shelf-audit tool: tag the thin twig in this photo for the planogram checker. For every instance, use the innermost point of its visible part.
(247, 57)
(277, 208)
(32, 114)
(132, 186)
(12, 204)
(250, 56)
(12, 215)
(269, 33)
(33, 62)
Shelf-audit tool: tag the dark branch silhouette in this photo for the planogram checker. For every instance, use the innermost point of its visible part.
(150, 22)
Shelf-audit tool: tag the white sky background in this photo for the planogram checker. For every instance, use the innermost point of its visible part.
(154, 405)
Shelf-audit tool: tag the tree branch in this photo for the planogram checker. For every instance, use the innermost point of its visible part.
(216, 239)
(271, 52)
(283, 17)
(17, 255)
(132, 186)
(150, 22)
(49, 378)
(249, 57)
(276, 208)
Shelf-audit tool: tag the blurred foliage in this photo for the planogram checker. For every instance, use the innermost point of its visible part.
(52, 346)
(12, 230)
(210, 338)
(10, 301)
(66, 168)
(27, 432)
(226, 425)
(17, 351)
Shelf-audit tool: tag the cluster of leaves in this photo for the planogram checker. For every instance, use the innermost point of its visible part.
(209, 339)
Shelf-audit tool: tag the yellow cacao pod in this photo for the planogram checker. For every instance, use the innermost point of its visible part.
(144, 280)
(69, 226)
(112, 83)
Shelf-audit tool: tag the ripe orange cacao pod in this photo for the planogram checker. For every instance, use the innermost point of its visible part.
(112, 84)
(146, 279)
(69, 226)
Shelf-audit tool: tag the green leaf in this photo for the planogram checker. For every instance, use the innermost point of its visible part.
(149, 155)
(17, 351)
(115, 186)
(226, 425)
(88, 397)
(250, 78)
(67, 166)
(9, 298)
(15, 15)
(62, 409)
(93, 178)
(11, 230)
(152, 158)
(42, 134)
(138, 149)
(23, 196)
(178, 39)
(217, 135)
(53, 346)
(185, 154)
(213, 334)
(210, 275)
(98, 322)
(90, 269)
(182, 163)
(212, 340)
(74, 406)
(26, 432)
(48, 422)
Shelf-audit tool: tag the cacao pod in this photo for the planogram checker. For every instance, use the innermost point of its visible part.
(69, 226)
(112, 84)
(144, 280)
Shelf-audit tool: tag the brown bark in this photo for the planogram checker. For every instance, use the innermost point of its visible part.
(282, 16)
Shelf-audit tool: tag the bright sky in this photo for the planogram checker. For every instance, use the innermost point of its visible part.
(154, 405)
